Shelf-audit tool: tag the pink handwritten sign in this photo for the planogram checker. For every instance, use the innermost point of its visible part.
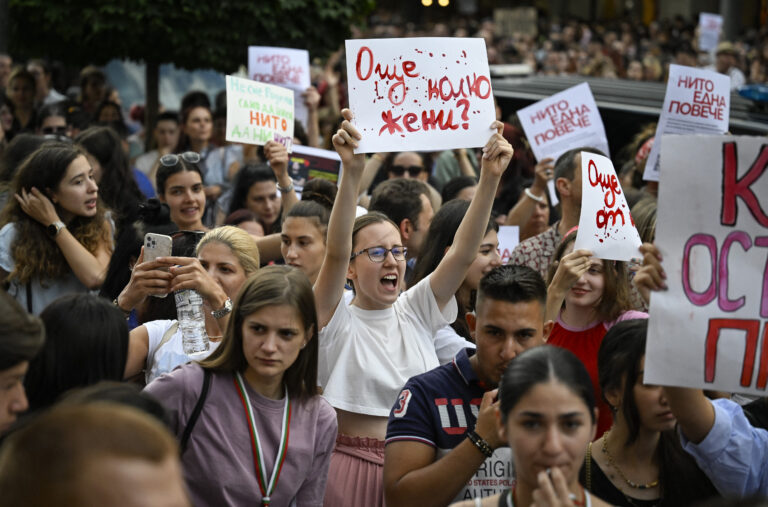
(605, 225)
(422, 94)
(712, 233)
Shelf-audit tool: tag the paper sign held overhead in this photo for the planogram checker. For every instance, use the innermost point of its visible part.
(282, 67)
(307, 163)
(419, 94)
(697, 101)
(606, 227)
(562, 122)
(258, 112)
(710, 26)
(509, 237)
(709, 328)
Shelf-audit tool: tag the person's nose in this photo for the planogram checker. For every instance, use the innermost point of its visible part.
(292, 252)
(511, 349)
(389, 259)
(553, 441)
(19, 403)
(495, 258)
(269, 345)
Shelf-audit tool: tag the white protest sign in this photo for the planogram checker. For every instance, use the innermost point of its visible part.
(258, 112)
(509, 237)
(606, 227)
(709, 328)
(283, 67)
(419, 94)
(564, 121)
(697, 101)
(710, 26)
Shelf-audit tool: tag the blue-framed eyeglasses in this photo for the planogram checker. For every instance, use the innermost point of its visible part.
(379, 253)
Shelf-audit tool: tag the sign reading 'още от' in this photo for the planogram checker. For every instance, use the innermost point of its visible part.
(421, 94)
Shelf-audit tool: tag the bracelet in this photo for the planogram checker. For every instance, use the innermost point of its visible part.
(537, 198)
(285, 190)
(480, 443)
(126, 313)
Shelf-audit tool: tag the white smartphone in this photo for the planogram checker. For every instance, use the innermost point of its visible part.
(157, 245)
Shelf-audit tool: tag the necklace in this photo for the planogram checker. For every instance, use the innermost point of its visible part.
(266, 486)
(616, 467)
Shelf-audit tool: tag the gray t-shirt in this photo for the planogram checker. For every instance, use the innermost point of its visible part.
(218, 463)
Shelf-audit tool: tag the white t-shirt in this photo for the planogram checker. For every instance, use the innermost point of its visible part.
(366, 356)
(165, 358)
(448, 343)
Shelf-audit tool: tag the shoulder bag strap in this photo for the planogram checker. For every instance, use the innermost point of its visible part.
(196, 411)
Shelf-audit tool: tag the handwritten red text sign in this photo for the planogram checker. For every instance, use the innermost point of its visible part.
(283, 67)
(709, 329)
(564, 121)
(698, 101)
(421, 94)
(605, 226)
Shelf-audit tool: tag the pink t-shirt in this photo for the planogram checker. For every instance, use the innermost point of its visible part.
(218, 463)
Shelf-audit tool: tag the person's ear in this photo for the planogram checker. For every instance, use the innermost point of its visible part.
(501, 427)
(548, 325)
(563, 186)
(351, 274)
(471, 319)
(405, 228)
(613, 397)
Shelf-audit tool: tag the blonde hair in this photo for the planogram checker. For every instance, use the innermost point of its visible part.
(241, 243)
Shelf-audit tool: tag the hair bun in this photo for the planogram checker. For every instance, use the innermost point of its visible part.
(154, 212)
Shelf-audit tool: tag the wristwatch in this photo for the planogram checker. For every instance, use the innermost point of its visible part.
(55, 228)
(285, 190)
(224, 310)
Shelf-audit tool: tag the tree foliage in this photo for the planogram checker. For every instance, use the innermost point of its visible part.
(188, 33)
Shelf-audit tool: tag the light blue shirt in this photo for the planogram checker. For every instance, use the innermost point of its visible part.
(734, 454)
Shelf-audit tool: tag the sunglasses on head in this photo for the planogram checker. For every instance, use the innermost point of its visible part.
(399, 170)
(55, 131)
(172, 159)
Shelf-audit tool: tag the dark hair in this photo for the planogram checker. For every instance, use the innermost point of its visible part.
(512, 284)
(399, 199)
(644, 215)
(123, 393)
(168, 116)
(164, 172)
(195, 98)
(540, 365)
(247, 176)
(618, 362)
(455, 185)
(321, 191)
(270, 286)
(242, 215)
(117, 187)
(311, 209)
(153, 216)
(565, 165)
(618, 365)
(87, 341)
(21, 335)
(49, 111)
(298, 132)
(20, 147)
(615, 298)
(104, 104)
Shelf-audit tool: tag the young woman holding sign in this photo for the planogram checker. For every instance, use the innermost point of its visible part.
(586, 296)
(261, 434)
(371, 346)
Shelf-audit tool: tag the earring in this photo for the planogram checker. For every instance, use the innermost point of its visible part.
(303, 345)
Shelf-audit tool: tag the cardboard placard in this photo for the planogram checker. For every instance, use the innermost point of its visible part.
(307, 163)
(562, 122)
(258, 112)
(509, 237)
(283, 67)
(709, 329)
(697, 101)
(710, 26)
(606, 227)
(419, 94)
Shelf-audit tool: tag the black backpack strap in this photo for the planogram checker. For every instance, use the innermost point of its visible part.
(196, 411)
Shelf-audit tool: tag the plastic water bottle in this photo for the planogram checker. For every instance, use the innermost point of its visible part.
(189, 312)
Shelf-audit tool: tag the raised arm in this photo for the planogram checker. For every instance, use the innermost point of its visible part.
(694, 412)
(569, 269)
(277, 155)
(89, 268)
(650, 276)
(451, 271)
(312, 100)
(412, 477)
(329, 286)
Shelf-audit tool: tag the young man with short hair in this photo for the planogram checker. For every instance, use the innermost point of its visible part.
(442, 444)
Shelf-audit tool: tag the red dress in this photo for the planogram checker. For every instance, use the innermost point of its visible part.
(584, 343)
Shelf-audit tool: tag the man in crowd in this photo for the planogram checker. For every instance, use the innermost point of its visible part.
(536, 252)
(442, 442)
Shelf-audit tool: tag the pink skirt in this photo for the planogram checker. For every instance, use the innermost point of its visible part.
(356, 475)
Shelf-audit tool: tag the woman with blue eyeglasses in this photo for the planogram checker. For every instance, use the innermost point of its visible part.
(369, 347)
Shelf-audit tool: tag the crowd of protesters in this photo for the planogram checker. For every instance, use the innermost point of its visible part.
(366, 344)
